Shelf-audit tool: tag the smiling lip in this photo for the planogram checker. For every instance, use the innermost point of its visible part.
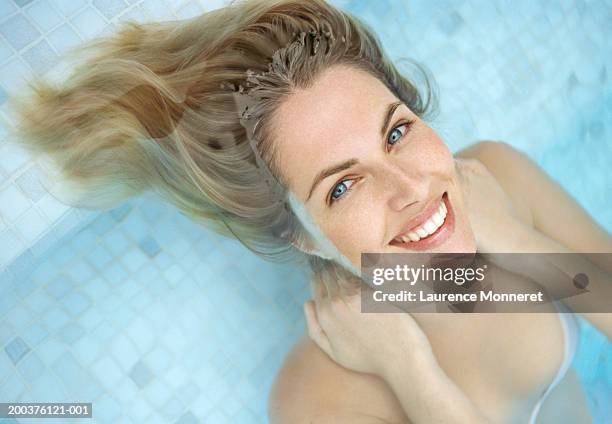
(435, 239)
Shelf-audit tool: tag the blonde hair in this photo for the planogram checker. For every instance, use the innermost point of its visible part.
(153, 108)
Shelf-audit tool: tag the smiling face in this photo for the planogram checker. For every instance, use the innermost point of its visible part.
(368, 170)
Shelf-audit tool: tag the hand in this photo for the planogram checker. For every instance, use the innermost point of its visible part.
(490, 211)
(366, 342)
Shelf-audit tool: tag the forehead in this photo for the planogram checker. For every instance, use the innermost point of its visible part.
(328, 123)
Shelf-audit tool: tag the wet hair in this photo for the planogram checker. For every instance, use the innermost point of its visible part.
(184, 109)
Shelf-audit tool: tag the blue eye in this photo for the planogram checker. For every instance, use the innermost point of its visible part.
(397, 133)
(394, 137)
(340, 189)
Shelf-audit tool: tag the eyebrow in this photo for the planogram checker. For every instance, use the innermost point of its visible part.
(334, 169)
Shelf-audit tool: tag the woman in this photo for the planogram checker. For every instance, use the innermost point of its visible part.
(227, 117)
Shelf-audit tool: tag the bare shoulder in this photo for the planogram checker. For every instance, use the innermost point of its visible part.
(510, 167)
(310, 385)
(505, 162)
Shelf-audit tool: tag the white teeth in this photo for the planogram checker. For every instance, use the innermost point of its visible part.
(430, 226)
(413, 236)
(437, 219)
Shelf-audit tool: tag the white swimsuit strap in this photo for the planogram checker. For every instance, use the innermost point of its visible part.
(571, 330)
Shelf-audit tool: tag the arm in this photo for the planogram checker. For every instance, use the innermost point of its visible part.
(393, 347)
(568, 229)
(429, 396)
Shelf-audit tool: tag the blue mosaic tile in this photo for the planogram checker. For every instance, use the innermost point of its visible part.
(40, 57)
(128, 393)
(87, 349)
(124, 351)
(202, 406)
(62, 255)
(149, 246)
(59, 287)
(3, 96)
(31, 367)
(76, 379)
(187, 418)
(115, 274)
(218, 417)
(174, 274)
(108, 410)
(110, 8)
(29, 181)
(19, 317)
(6, 8)
(76, 303)
(157, 392)
(99, 257)
(5, 51)
(63, 39)
(141, 374)
(153, 210)
(450, 22)
(84, 240)
(44, 15)
(48, 388)
(70, 333)
(102, 224)
(35, 334)
(116, 242)
(16, 349)
(172, 409)
(231, 405)
(107, 371)
(6, 367)
(80, 272)
(133, 259)
(39, 301)
(23, 265)
(188, 392)
(244, 416)
(135, 226)
(142, 334)
(22, 3)
(18, 31)
(24, 288)
(139, 409)
(68, 7)
(155, 9)
(120, 212)
(55, 319)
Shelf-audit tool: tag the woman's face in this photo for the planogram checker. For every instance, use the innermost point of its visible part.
(368, 170)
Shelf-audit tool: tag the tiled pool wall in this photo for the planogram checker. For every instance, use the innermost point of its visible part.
(152, 319)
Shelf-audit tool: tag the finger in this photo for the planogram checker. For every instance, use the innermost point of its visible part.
(315, 332)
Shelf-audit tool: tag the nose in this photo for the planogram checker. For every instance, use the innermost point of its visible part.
(403, 187)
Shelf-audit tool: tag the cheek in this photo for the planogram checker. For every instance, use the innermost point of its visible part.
(439, 157)
(354, 229)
